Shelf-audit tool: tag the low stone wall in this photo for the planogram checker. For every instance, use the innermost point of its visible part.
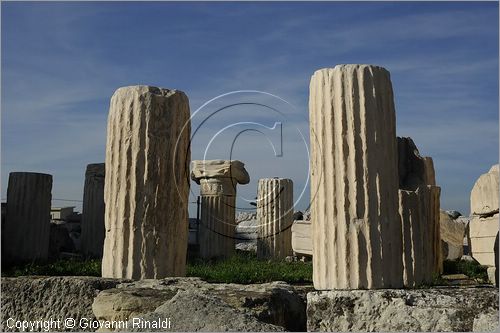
(189, 304)
(33, 298)
(417, 310)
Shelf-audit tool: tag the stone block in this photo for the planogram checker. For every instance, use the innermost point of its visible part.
(403, 310)
(493, 275)
(33, 298)
(452, 232)
(301, 237)
(483, 235)
(484, 194)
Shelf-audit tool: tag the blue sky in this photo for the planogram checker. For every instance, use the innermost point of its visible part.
(61, 62)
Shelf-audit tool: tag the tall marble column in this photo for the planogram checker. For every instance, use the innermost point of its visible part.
(356, 234)
(218, 180)
(275, 218)
(92, 237)
(27, 228)
(146, 184)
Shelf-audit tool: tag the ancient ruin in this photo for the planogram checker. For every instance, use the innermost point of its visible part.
(483, 228)
(27, 224)
(419, 213)
(354, 185)
(146, 184)
(92, 236)
(484, 194)
(413, 170)
(209, 208)
(218, 180)
(419, 201)
(453, 231)
(275, 217)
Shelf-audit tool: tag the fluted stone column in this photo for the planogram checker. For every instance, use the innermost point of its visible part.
(433, 199)
(275, 218)
(92, 237)
(27, 228)
(419, 202)
(218, 180)
(146, 183)
(414, 170)
(354, 184)
(419, 213)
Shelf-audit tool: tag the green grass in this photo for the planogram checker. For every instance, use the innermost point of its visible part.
(470, 268)
(71, 267)
(246, 268)
(241, 268)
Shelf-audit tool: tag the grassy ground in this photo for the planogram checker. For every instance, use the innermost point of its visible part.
(470, 268)
(241, 268)
(246, 268)
(63, 267)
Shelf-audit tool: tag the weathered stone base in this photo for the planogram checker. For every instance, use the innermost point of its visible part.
(43, 298)
(420, 310)
(194, 305)
(190, 304)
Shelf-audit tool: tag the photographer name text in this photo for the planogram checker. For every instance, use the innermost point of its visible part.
(51, 324)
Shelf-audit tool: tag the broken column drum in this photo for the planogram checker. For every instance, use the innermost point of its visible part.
(218, 180)
(356, 234)
(146, 183)
(27, 225)
(92, 238)
(275, 218)
(419, 214)
(419, 202)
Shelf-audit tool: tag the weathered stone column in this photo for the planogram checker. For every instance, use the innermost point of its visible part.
(146, 184)
(275, 217)
(483, 228)
(92, 237)
(217, 180)
(27, 228)
(419, 202)
(354, 184)
(419, 214)
(414, 170)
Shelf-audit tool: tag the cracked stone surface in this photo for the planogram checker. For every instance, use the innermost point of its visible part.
(418, 310)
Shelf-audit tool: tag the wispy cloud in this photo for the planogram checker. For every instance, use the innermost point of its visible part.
(61, 62)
